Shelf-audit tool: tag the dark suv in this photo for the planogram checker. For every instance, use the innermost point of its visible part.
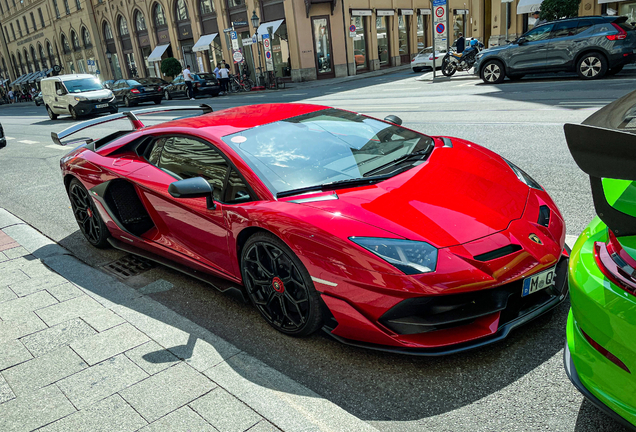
(591, 46)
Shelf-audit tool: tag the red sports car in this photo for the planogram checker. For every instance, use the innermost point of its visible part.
(324, 218)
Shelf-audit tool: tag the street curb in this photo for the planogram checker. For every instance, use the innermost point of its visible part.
(282, 401)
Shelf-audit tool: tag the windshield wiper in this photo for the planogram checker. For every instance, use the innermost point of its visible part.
(402, 158)
(335, 185)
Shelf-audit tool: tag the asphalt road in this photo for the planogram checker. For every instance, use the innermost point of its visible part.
(518, 384)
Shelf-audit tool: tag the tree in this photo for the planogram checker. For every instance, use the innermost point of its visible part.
(556, 9)
(171, 67)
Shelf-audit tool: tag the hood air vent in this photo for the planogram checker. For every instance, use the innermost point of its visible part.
(498, 253)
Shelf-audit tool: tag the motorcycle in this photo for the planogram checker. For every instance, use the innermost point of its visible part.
(453, 61)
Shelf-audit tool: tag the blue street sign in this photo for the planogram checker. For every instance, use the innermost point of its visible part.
(240, 23)
(233, 35)
(268, 54)
(97, 72)
(440, 28)
(439, 3)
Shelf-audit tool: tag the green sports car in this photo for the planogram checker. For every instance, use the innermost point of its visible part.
(600, 352)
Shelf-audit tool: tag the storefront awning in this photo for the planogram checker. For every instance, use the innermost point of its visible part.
(156, 53)
(20, 80)
(528, 6)
(262, 29)
(204, 42)
(609, 1)
(35, 76)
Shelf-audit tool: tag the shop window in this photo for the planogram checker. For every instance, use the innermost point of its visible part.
(360, 43)
(322, 45)
(628, 10)
(421, 32)
(384, 54)
(280, 52)
(403, 37)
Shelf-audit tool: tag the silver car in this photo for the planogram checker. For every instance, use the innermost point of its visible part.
(591, 46)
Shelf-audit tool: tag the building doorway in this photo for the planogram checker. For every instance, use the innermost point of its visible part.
(321, 32)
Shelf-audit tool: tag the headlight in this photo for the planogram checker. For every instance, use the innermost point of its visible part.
(411, 257)
(521, 175)
(80, 98)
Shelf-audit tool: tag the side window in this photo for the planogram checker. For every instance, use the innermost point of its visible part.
(154, 152)
(59, 86)
(237, 191)
(539, 33)
(564, 29)
(186, 158)
(583, 25)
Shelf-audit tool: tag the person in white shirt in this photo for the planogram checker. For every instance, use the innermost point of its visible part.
(11, 95)
(225, 78)
(187, 77)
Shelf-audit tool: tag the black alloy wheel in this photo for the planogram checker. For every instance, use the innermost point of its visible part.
(87, 216)
(50, 113)
(73, 112)
(279, 286)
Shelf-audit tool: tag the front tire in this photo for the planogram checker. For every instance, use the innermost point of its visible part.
(87, 216)
(493, 72)
(73, 113)
(166, 95)
(52, 116)
(279, 286)
(127, 102)
(591, 66)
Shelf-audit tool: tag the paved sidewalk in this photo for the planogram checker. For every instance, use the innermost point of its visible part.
(81, 351)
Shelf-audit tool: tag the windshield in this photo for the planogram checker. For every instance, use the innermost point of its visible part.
(207, 76)
(150, 81)
(83, 85)
(323, 147)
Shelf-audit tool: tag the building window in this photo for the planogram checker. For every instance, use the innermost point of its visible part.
(123, 26)
(49, 50)
(41, 18)
(6, 31)
(108, 33)
(12, 30)
(235, 3)
(383, 40)
(86, 37)
(42, 57)
(19, 28)
(207, 7)
(182, 11)
(160, 16)
(26, 25)
(359, 43)
(403, 37)
(140, 22)
(65, 46)
(1, 10)
(35, 26)
(421, 32)
(68, 9)
(76, 42)
(57, 10)
(78, 4)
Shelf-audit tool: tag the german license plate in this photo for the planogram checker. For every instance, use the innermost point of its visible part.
(149, 88)
(539, 281)
(101, 106)
(210, 83)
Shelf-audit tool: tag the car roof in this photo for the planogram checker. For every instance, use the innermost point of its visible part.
(232, 120)
(69, 77)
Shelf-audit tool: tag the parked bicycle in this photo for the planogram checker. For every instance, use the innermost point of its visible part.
(273, 82)
(243, 83)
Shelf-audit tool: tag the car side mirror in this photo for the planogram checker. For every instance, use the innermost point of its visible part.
(60, 92)
(393, 119)
(196, 187)
(521, 41)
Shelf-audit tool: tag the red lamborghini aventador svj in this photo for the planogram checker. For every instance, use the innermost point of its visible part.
(380, 235)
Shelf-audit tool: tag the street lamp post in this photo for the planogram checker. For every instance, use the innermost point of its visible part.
(255, 20)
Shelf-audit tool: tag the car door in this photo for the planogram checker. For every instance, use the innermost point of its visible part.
(178, 87)
(187, 225)
(530, 55)
(562, 50)
(59, 100)
(117, 90)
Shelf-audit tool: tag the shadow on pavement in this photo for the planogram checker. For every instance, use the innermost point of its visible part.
(592, 419)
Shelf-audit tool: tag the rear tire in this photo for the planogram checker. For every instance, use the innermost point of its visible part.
(50, 113)
(279, 286)
(493, 72)
(88, 218)
(591, 66)
(127, 102)
(166, 95)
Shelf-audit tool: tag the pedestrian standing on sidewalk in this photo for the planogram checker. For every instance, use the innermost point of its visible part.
(225, 78)
(187, 77)
(460, 43)
(11, 95)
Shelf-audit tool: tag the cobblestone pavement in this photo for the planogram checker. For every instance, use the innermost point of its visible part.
(81, 351)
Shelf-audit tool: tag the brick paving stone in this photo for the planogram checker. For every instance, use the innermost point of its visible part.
(263, 426)
(225, 412)
(36, 284)
(16, 252)
(65, 292)
(14, 309)
(3, 257)
(103, 319)
(7, 242)
(35, 268)
(34, 410)
(13, 353)
(13, 276)
(112, 414)
(62, 334)
(6, 394)
(183, 419)
(18, 264)
(74, 308)
(152, 357)
(109, 343)
(102, 380)
(22, 326)
(42, 371)
(7, 294)
(166, 391)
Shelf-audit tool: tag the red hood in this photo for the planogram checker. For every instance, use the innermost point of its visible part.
(458, 195)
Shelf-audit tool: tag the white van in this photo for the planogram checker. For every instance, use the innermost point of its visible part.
(77, 95)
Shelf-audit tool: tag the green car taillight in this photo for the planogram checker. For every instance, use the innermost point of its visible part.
(616, 264)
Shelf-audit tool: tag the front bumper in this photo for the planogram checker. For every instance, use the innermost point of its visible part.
(89, 107)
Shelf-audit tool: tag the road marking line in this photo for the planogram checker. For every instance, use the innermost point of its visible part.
(59, 147)
(9, 138)
(28, 142)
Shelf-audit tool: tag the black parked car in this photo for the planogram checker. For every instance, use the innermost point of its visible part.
(3, 140)
(203, 84)
(132, 92)
(109, 84)
(591, 46)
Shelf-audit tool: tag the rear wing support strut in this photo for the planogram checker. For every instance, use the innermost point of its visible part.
(133, 116)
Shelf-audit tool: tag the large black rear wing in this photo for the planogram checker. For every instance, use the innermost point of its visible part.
(604, 146)
(133, 116)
